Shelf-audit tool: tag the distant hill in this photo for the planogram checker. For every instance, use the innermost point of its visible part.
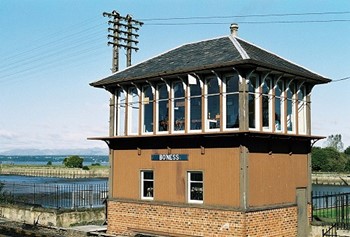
(52, 152)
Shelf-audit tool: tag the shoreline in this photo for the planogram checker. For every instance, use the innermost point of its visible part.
(55, 171)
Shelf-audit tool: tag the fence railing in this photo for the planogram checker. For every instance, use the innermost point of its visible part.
(56, 196)
(332, 209)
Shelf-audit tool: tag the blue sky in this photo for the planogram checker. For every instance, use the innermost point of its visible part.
(51, 50)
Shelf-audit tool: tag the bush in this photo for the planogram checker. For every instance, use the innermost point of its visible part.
(49, 163)
(86, 168)
(73, 162)
(96, 164)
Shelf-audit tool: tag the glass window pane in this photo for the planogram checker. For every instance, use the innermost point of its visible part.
(195, 106)
(195, 187)
(148, 174)
(302, 110)
(133, 111)
(278, 105)
(232, 84)
(121, 110)
(232, 119)
(266, 102)
(213, 103)
(147, 185)
(163, 117)
(232, 105)
(147, 109)
(196, 176)
(290, 112)
(252, 100)
(214, 111)
(179, 106)
(196, 191)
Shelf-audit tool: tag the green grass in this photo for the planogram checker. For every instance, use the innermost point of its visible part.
(329, 214)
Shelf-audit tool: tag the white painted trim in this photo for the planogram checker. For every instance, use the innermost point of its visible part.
(239, 48)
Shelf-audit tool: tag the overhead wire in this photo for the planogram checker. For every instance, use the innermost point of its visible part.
(75, 44)
(247, 16)
(341, 79)
(71, 46)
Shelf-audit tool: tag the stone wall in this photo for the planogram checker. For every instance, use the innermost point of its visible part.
(49, 217)
(129, 218)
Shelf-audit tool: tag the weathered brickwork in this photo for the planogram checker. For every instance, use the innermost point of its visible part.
(281, 222)
(127, 218)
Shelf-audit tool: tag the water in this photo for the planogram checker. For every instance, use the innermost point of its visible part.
(55, 159)
(49, 180)
(54, 192)
(330, 188)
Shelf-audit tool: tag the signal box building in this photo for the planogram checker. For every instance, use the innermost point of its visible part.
(211, 138)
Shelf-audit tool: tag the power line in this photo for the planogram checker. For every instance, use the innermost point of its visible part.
(246, 16)
(247, 22)
(341, 79)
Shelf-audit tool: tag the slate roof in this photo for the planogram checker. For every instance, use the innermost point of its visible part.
(209, 54)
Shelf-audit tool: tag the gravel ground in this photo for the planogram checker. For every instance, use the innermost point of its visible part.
(16, 229)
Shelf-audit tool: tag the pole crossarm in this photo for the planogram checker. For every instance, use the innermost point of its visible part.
(125, 26)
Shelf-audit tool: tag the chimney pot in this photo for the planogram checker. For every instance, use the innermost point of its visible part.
(234, 29)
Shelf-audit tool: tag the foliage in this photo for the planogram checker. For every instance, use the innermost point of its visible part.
(335, 142)
(96, 164)
(347, 151)
(73, 162)
(86, 167)
(49, 163)
(329, 159)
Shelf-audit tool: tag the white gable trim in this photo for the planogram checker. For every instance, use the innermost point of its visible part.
(240, 49)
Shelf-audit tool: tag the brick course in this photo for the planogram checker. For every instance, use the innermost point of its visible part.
(127, 218)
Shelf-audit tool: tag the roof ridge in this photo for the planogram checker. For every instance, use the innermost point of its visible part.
(239, 47)
(287, 60)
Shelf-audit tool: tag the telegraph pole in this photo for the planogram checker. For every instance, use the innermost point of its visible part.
(123, 36)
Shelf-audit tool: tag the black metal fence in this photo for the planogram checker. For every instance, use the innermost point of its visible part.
(56, 196)
(332, 209)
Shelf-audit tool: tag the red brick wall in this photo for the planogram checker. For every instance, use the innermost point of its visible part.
(281, 222)
(126, 218)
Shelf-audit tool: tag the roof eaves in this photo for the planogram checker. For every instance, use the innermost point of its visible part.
(317, 78)
(105, 83)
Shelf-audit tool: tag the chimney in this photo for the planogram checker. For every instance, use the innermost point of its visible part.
(234, 29)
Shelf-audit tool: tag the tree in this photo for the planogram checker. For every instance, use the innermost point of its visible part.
(328, 160)
(73, 162)
(347, 151)
(335, 142)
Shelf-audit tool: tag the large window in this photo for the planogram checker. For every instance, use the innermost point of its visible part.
(266, 103)
(195, 104)
(147, 108)
(178, 106)
(279, 106)
(231, 100)
(290, 107)
(253, 99)
(162, 106)
(195, 187)
(302, 106)
(133, 110)
(120, 113)
(213, 103)
(147, 184)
